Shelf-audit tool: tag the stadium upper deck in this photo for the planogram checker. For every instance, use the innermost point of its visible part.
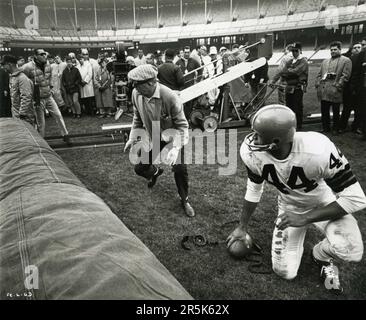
(156, 21)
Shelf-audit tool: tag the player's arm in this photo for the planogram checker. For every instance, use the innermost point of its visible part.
(255, 184)
(337, 173)
(247, 211)
(339, 177)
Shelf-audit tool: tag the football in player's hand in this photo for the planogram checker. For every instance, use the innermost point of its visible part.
(241, 248)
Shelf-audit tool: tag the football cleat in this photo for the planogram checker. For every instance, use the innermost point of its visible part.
(329, 274)
(272, 126)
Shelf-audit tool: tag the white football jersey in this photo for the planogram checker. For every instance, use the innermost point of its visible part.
(314, 174)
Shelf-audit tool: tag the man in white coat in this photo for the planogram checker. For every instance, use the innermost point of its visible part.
(95, 67)
(87, 87)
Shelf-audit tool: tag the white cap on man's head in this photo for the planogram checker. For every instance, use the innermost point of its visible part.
(84, 51)
(213, 50)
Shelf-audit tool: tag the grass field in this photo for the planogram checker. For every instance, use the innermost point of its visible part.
(157, 219)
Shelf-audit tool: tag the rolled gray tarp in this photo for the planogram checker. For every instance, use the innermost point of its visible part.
(58, 240)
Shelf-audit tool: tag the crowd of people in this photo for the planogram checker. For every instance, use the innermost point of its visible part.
(340, 80)
(79, 84)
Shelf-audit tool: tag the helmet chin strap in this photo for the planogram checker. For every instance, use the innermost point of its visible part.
(259, 147)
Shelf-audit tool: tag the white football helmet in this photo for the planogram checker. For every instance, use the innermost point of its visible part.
(272, 126)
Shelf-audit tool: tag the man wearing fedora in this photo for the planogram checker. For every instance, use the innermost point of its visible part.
(158, 113)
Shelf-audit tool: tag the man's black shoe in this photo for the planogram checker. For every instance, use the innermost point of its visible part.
(188, 210)
(152, 182)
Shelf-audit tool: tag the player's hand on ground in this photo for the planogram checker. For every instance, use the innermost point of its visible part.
(172, 156)
(289, 219)
(238, 234)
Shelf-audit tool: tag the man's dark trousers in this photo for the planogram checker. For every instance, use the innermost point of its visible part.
(349, 104)
(362, 111)
(325, 109)
(180, 171)
(294, 102)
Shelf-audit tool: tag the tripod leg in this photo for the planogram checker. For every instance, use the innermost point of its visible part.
(235, 107)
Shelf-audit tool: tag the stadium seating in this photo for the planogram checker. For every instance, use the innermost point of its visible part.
(169, 12)
(274, 17)
(85, 14)
(65, 18)
(46, 14)
(124, 15)
(220, 11)
(6, 17)
(273, 8)
(105, 14)
(341, 3)
(245, 10)
(194, 12)
(19, 12)
(146, 13)
(305, 6)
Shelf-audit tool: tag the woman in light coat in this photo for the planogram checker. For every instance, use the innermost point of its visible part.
(87, 87)
(103, 83)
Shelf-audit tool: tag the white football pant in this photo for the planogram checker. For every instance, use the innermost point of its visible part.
(342, 241)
